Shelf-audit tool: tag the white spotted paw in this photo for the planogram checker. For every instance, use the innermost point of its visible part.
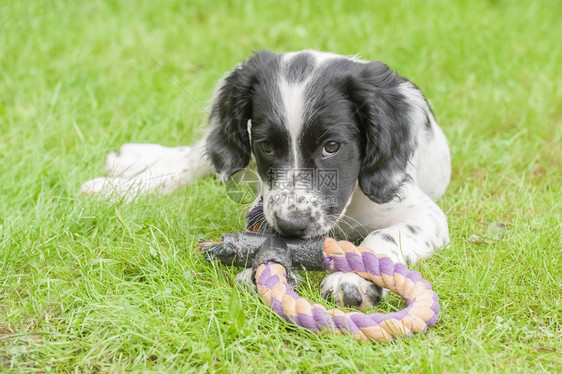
(350, 290)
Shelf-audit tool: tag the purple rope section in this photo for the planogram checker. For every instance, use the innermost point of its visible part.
(422, 302)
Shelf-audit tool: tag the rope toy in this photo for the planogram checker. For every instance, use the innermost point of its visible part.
(273, 258)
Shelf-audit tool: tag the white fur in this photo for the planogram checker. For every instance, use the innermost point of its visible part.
(292, 98)
(322, 57)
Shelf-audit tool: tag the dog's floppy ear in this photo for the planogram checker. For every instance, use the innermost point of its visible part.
(228, 142)
(384, 113)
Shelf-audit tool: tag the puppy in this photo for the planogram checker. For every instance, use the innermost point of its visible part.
(342, 147)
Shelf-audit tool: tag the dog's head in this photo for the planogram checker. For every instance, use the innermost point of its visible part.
(318, 125)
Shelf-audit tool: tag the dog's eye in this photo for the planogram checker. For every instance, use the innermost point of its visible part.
(267, 147)
(330, 148)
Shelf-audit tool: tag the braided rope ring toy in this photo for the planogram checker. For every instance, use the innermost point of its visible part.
(271, 269)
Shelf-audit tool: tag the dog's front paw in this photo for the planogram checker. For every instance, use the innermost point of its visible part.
(245, 280)
(350, 290)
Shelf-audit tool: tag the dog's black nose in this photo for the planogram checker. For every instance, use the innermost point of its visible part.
(292, 226)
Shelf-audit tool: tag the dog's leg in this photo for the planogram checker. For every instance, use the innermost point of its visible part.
(139, 169)
(419, 227)
(415, 227)
(244, 280)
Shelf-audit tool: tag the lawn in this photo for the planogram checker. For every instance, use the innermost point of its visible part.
(88, 284)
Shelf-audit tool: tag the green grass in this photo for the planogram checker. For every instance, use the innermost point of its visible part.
(92, 285)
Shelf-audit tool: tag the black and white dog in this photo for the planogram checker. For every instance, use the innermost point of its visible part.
(342, 146)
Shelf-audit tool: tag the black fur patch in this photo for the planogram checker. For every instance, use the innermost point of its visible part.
(388, 238)
(412, 229)
(383, 113)
(351, 295)
(228, 143)
(374, 294)
(299, 67)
